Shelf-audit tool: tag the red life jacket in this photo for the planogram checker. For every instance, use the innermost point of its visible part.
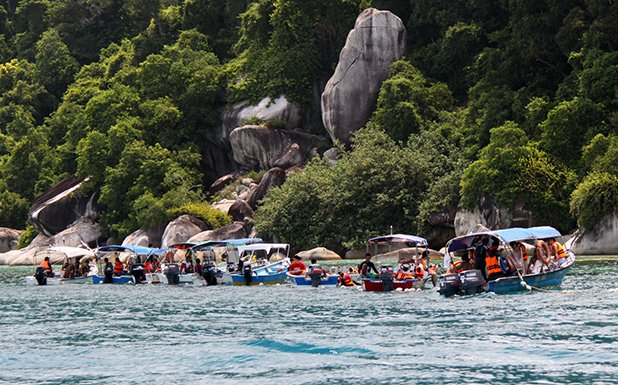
(148, 267)
(118, 267)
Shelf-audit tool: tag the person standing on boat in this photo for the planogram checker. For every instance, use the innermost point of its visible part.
(492, 262)
(366, 266)
(48, 268)
(480, 254)
(557, 251)
(297, 267)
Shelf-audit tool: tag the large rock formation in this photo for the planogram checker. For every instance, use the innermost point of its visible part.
(376, 42)
(9, 239)
(266, 109)
(493, 215)
(181, 229)
(61, 206)
(234, 231)
(273, 178)
(602, 240)
(260, 147)
(320, 254)
(146, 238)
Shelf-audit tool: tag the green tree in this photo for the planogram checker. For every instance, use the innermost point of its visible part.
(55, 67)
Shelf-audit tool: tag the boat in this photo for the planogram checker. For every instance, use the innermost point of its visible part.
(386, 280)
(227, 252)
(255, 266)
(69, 255)
(516, 278)
(331, 280)
(137, 255)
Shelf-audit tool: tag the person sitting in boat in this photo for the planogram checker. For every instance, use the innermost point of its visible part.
(198, 266)
(480, 255)
(540, 259)
(297, 267)
(118, 267)
(557, 251)
(85, 268)
(431, 270)
(520, 254)
(77, 269)
(345, 279)
(148, 266)
(68, 270)
(186, 267)
(48, 267)
(492, 261)
(366, 266)
(465, 262)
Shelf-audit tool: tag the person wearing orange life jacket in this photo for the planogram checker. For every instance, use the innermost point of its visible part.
(404, 272)
(520, 255)
(148, 266)
(492, 261)
(48, 268)
(118, 267)
(431, 270)
(541, 258)
(557, 251)
(345, 280)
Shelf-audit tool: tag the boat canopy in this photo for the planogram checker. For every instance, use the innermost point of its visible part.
(141, 250)
(514, 234)
(226, 242)
(263, 246)
(398, 238)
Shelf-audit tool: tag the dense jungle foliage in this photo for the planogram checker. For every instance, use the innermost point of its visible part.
(516, 99)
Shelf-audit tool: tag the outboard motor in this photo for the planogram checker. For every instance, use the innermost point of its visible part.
(248, 273)
(137, 271)
(109, 273)
(172, 272)
(471, 281)
(315, 273)
(386, 275)
(449, 284)
(209, 272)
(41, 275)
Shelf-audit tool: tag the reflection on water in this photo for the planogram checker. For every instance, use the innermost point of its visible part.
(86, 334)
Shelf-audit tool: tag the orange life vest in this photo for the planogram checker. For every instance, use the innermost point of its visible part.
(347, 280)
(561, 253)
(148, 267)
(118, 267)
(455, 268)
(419, 272)
(493, 265)
(47, 266)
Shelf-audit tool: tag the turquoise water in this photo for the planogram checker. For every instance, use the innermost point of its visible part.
(87, 334)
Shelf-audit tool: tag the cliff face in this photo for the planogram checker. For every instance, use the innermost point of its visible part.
(602, 240)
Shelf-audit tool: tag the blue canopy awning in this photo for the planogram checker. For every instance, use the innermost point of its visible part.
(131, 248)
(398, 238)
(515, 234)
(225, 242)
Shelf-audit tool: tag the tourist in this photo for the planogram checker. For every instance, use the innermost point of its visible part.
(118, 267)
(297, 267)
(186, 267)
(198, 266)
(366, 266)
(315, 272)
(148, 266)
(68, 270)
(520, 254)
(48, 268)
(492, 261)
(465, 263)
(541, 258)
(345, 279)
(557, 251)
(480, 254)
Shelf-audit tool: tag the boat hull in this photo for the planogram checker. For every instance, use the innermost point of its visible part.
(121, 279)
(184, 279)
(547, 280)
(31, 280)
(330, 280)
(370, 284)
(260, 279)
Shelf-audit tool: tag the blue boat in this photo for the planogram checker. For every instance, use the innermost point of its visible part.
(115, 250)
(330, 280)
(519, 279)
(256, 267)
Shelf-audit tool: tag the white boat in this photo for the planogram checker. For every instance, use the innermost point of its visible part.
(68, 255)
(136, 256)
(262, 264)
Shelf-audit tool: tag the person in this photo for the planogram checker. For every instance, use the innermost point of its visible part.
(68, 270)
(198, 266)
(118, 267)
(465, 262)
(492, 261)
(345, 279)
(186, 266)
(85, 268)
(76, 269)
(366, 266)
(48, 268)
(480, 254)
(108, 271)
(429, 269)
(297, 267)
(520, 254)
(315, 272)
(540, 258)
(148, 266)
(557, 251)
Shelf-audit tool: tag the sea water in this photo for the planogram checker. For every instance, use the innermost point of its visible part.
(138, 334)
